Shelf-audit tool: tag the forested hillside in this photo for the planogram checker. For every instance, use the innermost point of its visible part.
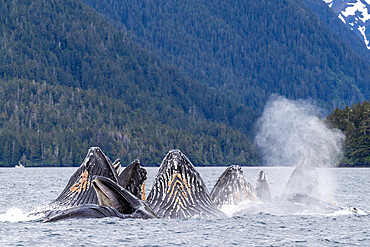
(148, 107)
(250, 48)
(354, 121)
(42, 124)
(71, 79)
(64, 42)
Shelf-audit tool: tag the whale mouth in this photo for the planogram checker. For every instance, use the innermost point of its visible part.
(105, 195)
(78, 190)
(133, 178)
(113, 195)
(232, 189)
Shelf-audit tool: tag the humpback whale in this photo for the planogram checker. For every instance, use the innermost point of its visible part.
(303, 188)
(133, 179)
(231, 188)
(263, 188)
(178, 190)
(78, 190)
(303, 183)
(101, 189)
(114, 201)
(113, 195)
(95, 190)
(82, 194)
(82, 211)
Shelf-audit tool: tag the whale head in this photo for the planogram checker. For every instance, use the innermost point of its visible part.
(79, 190)
(133, 179)
(231, 188)
(179, 191)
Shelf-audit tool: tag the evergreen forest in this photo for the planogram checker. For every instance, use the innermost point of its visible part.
(138, 78)
(70, 80)
(43, 124)
(251, 49)
(354, 122)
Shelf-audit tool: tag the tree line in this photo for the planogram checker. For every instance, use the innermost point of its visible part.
(354, 121)
(42, 124)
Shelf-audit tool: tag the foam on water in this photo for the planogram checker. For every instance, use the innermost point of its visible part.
(230, 210)
(348, 211)
(17, 215)
(287, 209)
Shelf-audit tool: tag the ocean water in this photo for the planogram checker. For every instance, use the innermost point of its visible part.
(275, 224)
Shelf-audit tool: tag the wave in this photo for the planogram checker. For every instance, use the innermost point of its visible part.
(18, 215)
(348, 211)
(288, 209)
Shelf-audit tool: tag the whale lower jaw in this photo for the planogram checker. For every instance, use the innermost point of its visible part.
(83, 211)
(179, 191)
(179, 201)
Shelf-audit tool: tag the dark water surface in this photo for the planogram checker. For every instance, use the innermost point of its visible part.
(24, 190)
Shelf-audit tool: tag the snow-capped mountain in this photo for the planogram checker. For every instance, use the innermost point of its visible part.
(355, 14)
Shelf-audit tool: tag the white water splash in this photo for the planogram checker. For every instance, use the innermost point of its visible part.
(231, 210)
(17, 215)
(348, 211)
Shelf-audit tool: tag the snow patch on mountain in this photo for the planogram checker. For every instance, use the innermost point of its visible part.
(358, 6)
(355, 14)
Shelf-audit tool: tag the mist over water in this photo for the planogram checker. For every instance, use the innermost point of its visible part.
(291, 133)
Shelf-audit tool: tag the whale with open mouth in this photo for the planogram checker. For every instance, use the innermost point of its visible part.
(113, 195)
(78, 190)
(101, 189)
(303, 188)
(133, 179)
(179, 191)
(95, 182)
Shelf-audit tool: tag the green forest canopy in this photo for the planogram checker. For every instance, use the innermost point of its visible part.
(354, 121)
(69, 80)
(42, 124)
(251, 49)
